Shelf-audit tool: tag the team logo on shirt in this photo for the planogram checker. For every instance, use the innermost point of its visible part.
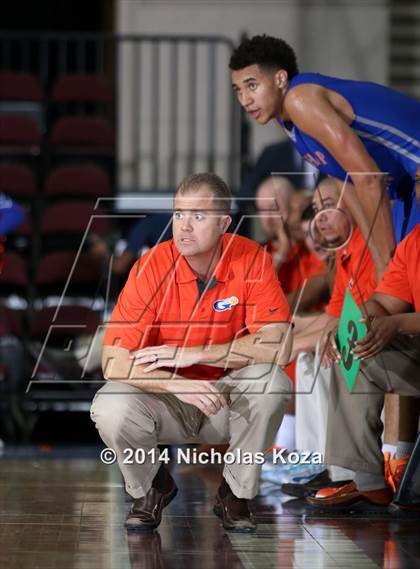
(225, 304)
(351, 284)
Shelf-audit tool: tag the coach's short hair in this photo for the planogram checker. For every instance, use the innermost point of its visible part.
(265, 51)
(222, 196)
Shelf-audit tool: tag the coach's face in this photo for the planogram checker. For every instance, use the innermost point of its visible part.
(260, 91)
(197, 226)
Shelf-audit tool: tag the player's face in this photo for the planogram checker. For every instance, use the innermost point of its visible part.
(197, 226)
(258, 93)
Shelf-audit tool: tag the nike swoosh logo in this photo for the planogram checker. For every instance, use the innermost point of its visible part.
(271, 310)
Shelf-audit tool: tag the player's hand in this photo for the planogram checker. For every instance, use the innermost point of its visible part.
(328, 349)
(166, 356)
(381, 331)
(202, 394)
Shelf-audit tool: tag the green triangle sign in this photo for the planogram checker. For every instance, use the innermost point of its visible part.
(350, 329)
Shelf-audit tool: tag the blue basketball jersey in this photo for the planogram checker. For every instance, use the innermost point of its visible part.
(388, 124)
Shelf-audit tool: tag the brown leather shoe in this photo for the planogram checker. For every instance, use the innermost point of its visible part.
(349, 494)
(234, 513)
(146, 512)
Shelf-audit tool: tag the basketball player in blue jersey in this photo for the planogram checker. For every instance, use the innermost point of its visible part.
(359, 132)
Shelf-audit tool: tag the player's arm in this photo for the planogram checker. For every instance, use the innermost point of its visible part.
(386, 317)
(311, 109)
(271, 344)
(397, 310)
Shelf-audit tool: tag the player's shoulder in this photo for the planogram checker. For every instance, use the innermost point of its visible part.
(309, 77)
(304, 89)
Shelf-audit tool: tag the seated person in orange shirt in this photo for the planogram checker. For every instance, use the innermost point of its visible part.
(193, 354)
(390, 363)
(328, 258)
(297, 267)
(354, 268)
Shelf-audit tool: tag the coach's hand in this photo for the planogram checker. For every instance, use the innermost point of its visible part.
(202, 394)
(166, 356)
(381, 331)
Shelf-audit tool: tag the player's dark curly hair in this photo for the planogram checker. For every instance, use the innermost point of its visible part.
(266, 51)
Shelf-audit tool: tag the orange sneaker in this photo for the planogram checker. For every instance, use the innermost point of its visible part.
(394, 469)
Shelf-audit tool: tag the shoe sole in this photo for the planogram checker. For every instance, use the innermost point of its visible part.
(305, 490)
(149, 528)
(218, 511)
(343, 505)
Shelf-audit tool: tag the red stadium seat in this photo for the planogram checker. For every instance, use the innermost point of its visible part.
(89, 181)
(17, 181)
(82, 88)
(55, 268)
(11, 321)
(19, 87)
(19, 134)
(71, 321)
(74, 217)
(82, 135)
(52, 333)
(14, 273)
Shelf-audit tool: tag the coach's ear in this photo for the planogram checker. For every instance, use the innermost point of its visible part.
(225, 221)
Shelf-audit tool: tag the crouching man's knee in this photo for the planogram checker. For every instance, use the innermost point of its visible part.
(109, 412)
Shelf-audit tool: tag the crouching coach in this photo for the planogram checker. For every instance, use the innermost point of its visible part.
(193, 353)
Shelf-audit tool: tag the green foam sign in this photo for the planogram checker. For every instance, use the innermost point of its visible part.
(350, 329)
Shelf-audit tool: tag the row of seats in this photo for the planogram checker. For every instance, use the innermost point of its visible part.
(71, 87)
(78, 96)
(57, 150)
(80, 181)
(51, 273)
(68, 322)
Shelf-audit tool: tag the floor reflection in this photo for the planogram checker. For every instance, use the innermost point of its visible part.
(70, 513)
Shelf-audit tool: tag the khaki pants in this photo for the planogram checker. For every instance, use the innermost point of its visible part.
(354, 419)
(128, 418)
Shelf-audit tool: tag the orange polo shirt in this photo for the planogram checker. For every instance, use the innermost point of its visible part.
(299, 265)
(356, 271)
(160, 303)
(402, 277)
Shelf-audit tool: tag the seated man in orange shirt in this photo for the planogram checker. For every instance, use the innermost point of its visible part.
(193, 354)
(354, 269)
(390, 363)
(296, 266)
(354, 265)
